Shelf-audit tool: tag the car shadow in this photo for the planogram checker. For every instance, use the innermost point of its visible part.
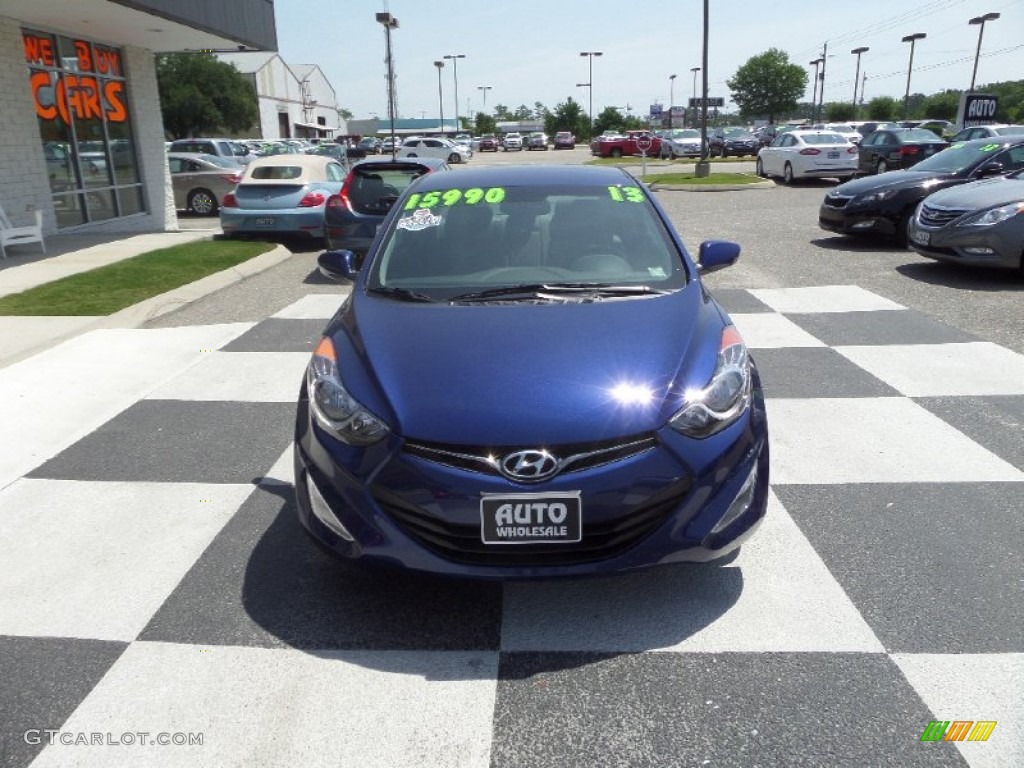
(864, 244)
(308, 599)
(963, 276)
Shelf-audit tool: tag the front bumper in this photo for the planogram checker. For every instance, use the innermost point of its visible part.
(996, 246)
(680, 500)
(856, 219)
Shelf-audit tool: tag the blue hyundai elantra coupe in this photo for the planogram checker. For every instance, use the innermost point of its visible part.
(529, 380)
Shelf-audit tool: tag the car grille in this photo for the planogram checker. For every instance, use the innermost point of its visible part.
(573, 457)
(933, 216)
(462, 543)
(837, 201)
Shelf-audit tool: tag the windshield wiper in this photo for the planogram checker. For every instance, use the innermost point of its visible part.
(532, 290)
(402, 294)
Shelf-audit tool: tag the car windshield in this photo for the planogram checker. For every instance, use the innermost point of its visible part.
(735, 132)
(1008, 130)
(524, 242)
(685, 133)
(223, 162)
(958, 157)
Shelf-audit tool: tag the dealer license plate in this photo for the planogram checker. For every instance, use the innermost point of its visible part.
(833, 155)
(921, 238)
(531, 518)
(265, 221)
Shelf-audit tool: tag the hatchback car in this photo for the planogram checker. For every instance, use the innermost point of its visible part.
(808, 154)
(897, 149)
(352, 216)
(201, 181)
(480, 405)
(442, 149)
(883, 204)
(282, 195)
(565, 140)
(681, 142)
(981, 223)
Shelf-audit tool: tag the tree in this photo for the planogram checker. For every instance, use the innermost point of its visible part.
(942, 106)
(345, 114)
(540, 112)
(484, 124)
(610, 119)
(882, 108)
(522, 112)
(568, 116)
(201, 95)
(839, 111)
(768, 85)
(501, 112)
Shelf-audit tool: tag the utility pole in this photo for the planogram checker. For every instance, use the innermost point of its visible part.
(821, 99)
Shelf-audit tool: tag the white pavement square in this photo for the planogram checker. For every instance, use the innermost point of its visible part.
(111, 553)
(932, 370)
(823, 298)
(249, 377)
(315, 306)
(259, 707)
(768, 330)
(873, 440)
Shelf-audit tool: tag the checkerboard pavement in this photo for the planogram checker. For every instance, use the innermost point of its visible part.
(156, 581)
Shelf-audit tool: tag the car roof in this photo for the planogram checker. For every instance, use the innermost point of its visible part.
(403, 162)
(530, 175)
(313, 166)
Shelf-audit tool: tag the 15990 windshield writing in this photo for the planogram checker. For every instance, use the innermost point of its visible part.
(450, 197)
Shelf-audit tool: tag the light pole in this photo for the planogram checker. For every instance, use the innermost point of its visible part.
(440, 100)
(485, 89)
(390, 22)
(590, 87)
(912, 39)
(695, 70)
(980, 20)
(671, 98)
(455, 72)
(814, 98)
(703, 167)
(856, 78)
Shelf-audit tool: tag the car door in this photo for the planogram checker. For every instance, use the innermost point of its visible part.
(869, 149)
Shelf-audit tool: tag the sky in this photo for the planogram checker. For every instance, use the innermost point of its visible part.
(529, 50)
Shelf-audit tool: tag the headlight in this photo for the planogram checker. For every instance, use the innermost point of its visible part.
(334, 409)
(993, 216)
(877, 197)
(726, 396)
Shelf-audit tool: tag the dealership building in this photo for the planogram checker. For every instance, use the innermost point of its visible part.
(81, 132)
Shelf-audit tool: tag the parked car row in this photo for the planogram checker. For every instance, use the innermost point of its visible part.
(963, 204)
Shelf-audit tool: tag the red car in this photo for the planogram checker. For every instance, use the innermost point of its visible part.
(488, 144)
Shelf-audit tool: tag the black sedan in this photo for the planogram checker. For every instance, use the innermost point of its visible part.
(735, 141)
(883, 204)
(897, 148)
(352, 216)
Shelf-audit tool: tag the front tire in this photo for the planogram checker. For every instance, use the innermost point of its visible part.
(454, 158)
(616, 152)
(202, 202)
(759, 169)
(902, 227)
(881, 167)
(787, 174)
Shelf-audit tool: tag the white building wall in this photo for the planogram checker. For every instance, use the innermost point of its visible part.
(23, 166)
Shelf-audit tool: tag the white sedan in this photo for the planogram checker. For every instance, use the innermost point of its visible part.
(443, 149)
(806, 154)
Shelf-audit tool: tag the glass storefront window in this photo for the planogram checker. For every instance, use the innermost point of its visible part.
(81, 101)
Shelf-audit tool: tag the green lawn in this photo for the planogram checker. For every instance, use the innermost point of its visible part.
(107, 289)
(637, 160)
(712, 180)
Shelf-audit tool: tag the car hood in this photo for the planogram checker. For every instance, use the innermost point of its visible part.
(512, 373)
(987, 193)
(888, 180)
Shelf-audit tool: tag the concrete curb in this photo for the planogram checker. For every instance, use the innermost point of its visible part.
(659, 187)
(141, 313)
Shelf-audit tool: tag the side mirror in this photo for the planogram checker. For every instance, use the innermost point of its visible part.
(338, 265)
(717, 254)
(992, 168)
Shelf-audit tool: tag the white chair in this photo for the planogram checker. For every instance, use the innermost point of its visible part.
(12, 235)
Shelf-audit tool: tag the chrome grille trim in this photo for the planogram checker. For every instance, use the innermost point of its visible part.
(837, 201)
(937, 216)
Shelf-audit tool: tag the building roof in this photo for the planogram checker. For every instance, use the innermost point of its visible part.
(249, 62)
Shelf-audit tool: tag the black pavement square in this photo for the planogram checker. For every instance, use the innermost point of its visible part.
(44, 679)
(277, 335)
(932, 567)
(739, 301)
(995, 422)
(264, 582)
(736, 709)
(815, 372)
(180, 441)
(897, 326)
